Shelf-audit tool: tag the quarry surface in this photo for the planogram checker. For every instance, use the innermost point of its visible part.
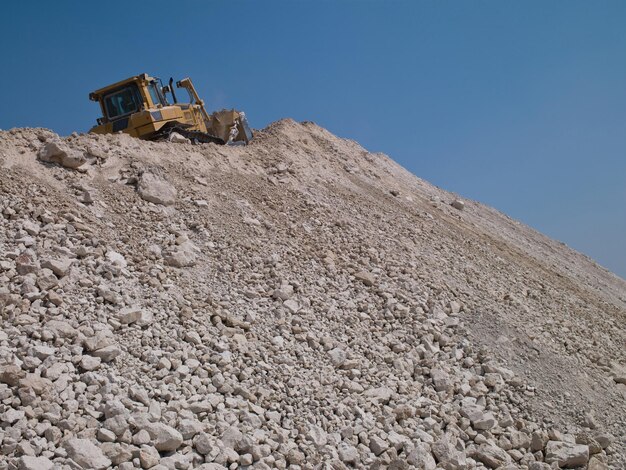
(296, 303)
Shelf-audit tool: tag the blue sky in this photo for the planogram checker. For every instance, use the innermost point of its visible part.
(520, 105)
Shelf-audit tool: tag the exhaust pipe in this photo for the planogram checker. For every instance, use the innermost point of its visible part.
(172, 90)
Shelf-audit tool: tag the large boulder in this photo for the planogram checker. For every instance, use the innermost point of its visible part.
(155, 189)
(129, 315)
(165, 438)
(380, 395)
(178, 138)
(58, 152)
(567, 454)
(447, 455)
(458, 204)
(366, 278)
(60, 267)
(203, 443)
(421, 457)
(347, 453)
(36, 383)
(11, 374)
(108, 353)
(183, 255)
(492, 456)
(61, 328)
(86, 454)
(441, 380)
(28, 462)
(481, 420)
(26, 264)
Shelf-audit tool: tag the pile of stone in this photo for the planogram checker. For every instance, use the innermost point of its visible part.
(172, 306)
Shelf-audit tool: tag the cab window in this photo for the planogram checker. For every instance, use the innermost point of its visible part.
(155, 96)
(122, 102)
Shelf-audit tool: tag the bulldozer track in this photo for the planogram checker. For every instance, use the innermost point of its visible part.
(196, 137)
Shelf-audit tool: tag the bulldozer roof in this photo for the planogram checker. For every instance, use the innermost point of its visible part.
(94, 95)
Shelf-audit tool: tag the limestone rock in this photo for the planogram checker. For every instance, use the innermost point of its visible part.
(148, 456)
(421, 457)
(480, 419)
(86, 454)
(58, 152)
(596, 464)
(284, 292)
(189, 428)
(129, 315)
(36, 383)
(46, 279)
(100, 340)
(337, 356)
(567, 454)
(182, 256)
(458, 204)
(176, 138)
(538, 440)
(116, 259)
(292, 305)
(366, 278)
(604, 439)
(10, 416)
(441, 380)
(108, 353)
(378, 445)
(11, 374)
(447, 455)
(28, 462)
(492, 456)
(380, 395)
(61, 328)
(203, 443)
(347, 453)
(25, 264)
(317, 436)
(155, 189)
(165, 438)
(60, 267)
(90, 363)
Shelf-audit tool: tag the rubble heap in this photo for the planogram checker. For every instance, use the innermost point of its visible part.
(296, 303)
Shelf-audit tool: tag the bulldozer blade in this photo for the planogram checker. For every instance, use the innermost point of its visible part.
(231, 126)
(243, 121)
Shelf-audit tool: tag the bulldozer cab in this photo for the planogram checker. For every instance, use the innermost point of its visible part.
(126, 97)
(138, 106)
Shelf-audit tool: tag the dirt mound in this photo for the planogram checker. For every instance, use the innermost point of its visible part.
(296, 303)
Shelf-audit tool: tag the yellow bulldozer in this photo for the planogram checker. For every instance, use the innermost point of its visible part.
(138, 106)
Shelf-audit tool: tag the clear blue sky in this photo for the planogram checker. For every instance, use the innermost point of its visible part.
(520, 105)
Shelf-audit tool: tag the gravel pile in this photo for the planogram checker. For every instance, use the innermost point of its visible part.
(298, 303)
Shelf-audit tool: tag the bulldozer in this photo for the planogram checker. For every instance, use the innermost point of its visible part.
(139, 106)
